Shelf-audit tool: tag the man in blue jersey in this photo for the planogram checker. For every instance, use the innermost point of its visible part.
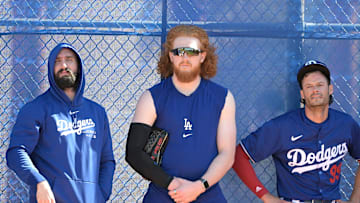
(307, 145)
(60, 144)
(199, 116)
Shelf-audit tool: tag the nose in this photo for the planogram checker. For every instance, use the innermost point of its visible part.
(316, 90)
(63, 64)
(185, 56)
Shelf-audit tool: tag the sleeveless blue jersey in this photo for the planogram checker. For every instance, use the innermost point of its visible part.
(192, 123)
(307, 155)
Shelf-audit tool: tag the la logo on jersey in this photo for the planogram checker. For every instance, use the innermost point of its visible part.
(187, 128)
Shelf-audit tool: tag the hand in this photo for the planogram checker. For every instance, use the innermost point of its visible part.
(187, 191)
(175, 183)
(269, 198)
(44, 193)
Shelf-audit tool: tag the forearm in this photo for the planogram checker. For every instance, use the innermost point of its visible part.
(355, 195)
(139, 160)
(144, 165)
(19, 161)
(246, 173)
(188, 191)
(219, 167)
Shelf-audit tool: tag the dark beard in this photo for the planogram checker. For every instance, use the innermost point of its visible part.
(67, 81)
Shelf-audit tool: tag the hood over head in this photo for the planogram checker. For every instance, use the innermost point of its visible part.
(80, 76)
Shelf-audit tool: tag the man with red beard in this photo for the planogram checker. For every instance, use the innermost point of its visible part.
(307, 145)
(199, 116)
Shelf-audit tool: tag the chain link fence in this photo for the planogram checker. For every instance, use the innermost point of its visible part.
(260, 43)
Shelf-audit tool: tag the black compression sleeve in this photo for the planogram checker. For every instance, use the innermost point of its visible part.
(139, 160)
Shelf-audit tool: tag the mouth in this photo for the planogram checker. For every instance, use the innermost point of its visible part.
(316, 96)
(64, 73)
(185, 65)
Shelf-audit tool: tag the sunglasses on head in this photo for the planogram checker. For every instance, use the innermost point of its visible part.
(182, 50)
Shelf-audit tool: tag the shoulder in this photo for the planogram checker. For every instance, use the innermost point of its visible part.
(340, 116)
(160, 91)
(220, 95)
(33, 111)
(37, 106)
(145, 110)
(293, 116)
(229, 99)
(93, 105)
(146, 98)
(216, 91)
(214, 86)
(160, 85)
(334, 112)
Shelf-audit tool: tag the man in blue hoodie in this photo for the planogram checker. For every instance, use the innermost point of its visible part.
(61, 144)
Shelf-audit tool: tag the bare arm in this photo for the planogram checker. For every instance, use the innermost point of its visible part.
(139, 131)
(226, 138)
(269, 198)
(145, 110)
(355, 195)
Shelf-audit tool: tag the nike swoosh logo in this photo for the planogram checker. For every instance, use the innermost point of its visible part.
(296, 138)
(186, 135)
(73, 112)
(258, 188)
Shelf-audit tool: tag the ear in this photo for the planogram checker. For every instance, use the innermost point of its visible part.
(331, 89)
(171, 57)
(203, 57)
(302, 94)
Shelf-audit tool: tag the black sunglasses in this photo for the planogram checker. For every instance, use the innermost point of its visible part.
(189, 51)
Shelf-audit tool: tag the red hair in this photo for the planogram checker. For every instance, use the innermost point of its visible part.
(208, 67)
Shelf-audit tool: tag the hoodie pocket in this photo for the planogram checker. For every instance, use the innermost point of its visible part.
(77, 191)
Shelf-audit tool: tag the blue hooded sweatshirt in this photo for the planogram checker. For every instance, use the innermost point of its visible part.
(65, 142)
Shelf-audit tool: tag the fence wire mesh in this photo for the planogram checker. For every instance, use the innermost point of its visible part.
(260, 43)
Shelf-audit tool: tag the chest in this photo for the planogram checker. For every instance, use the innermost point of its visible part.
(192, 112)
(70, 125)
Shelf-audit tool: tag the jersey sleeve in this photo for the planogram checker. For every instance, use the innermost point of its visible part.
(23, 140)
(262, 143)
(354, 148)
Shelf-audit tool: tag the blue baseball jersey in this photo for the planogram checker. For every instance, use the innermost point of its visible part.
(192, 123)
(307, 155)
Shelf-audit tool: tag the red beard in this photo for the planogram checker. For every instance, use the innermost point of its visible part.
(184, 75)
